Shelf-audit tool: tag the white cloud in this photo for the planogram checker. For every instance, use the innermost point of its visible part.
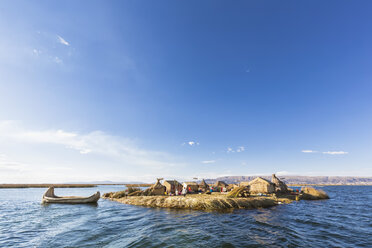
(96, 143)
(58, 60)
(7, 164)
(191, 143)
(62, 41)
(36, 52)
(283, 173)
(209, 161)
(308, 151)
(240, 149)
(335, 152)
(328, 152)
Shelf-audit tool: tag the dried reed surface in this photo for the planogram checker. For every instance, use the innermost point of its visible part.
(131, 191)
(46, 185)
(242, 191)
(310, 193)
(139, 185)
(198, 202)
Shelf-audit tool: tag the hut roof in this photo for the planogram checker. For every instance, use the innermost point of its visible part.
(244, 183)
(220, 183)
(260, 180)
(191, 183)
(172, 182)
(157, 185)
(231, 186)
(203, 183)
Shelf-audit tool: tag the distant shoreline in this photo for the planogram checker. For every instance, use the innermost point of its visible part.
(46, 185)
(63, 185)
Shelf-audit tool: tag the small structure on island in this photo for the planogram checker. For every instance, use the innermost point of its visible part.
(203, 186)
(244, 183)
(261, 185)
(191, 186)
(232, 186)
(172, 185)
(157, 188)
(219, 185)
(280, 186)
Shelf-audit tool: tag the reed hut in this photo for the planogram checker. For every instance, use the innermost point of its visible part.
(232, 186)
(191, 186)
(244, 184)
(172, 185)
(219, 185)
(203, 186)
(261, 185)
(157, 188)
(280, 186)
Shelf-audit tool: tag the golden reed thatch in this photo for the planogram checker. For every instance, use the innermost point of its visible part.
(242, 191)
(310, 193)
(198, 203)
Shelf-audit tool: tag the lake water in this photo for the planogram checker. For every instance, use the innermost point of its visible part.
(343, 221)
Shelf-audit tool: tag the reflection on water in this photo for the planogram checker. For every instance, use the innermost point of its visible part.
(25, 222)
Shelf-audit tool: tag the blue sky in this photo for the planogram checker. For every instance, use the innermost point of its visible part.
(132, 90)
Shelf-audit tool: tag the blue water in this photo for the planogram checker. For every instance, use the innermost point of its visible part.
(343, 221)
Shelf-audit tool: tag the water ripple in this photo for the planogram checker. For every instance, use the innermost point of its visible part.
(342, 221)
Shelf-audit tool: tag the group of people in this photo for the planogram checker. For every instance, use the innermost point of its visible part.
(183, 192)
(218, 189)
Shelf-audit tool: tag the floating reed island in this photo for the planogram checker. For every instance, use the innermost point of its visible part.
(258, 193)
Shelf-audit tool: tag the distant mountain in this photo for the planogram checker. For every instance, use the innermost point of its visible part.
(334, 180)
(105, 182)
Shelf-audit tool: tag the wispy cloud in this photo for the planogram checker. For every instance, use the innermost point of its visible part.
(58, 60)
(7, 164)
(36, 52)
(238, 149)
(96, 142)
(208, 161)
(191, 143)
(328, 152)
(335, 152)
(308, 151)
(283, 173)
(62, 41)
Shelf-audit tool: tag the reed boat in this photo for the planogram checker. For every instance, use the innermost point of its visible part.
(50, 197)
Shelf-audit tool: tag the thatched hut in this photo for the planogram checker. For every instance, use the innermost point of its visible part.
(191, 186)
(219, 185)
(232, 186)
(261, 185)
(172, 185)
(280, 186)
(203, 186)
(157, 188)
(243, 184)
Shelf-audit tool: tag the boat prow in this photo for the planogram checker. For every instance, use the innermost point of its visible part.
(50, 197)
